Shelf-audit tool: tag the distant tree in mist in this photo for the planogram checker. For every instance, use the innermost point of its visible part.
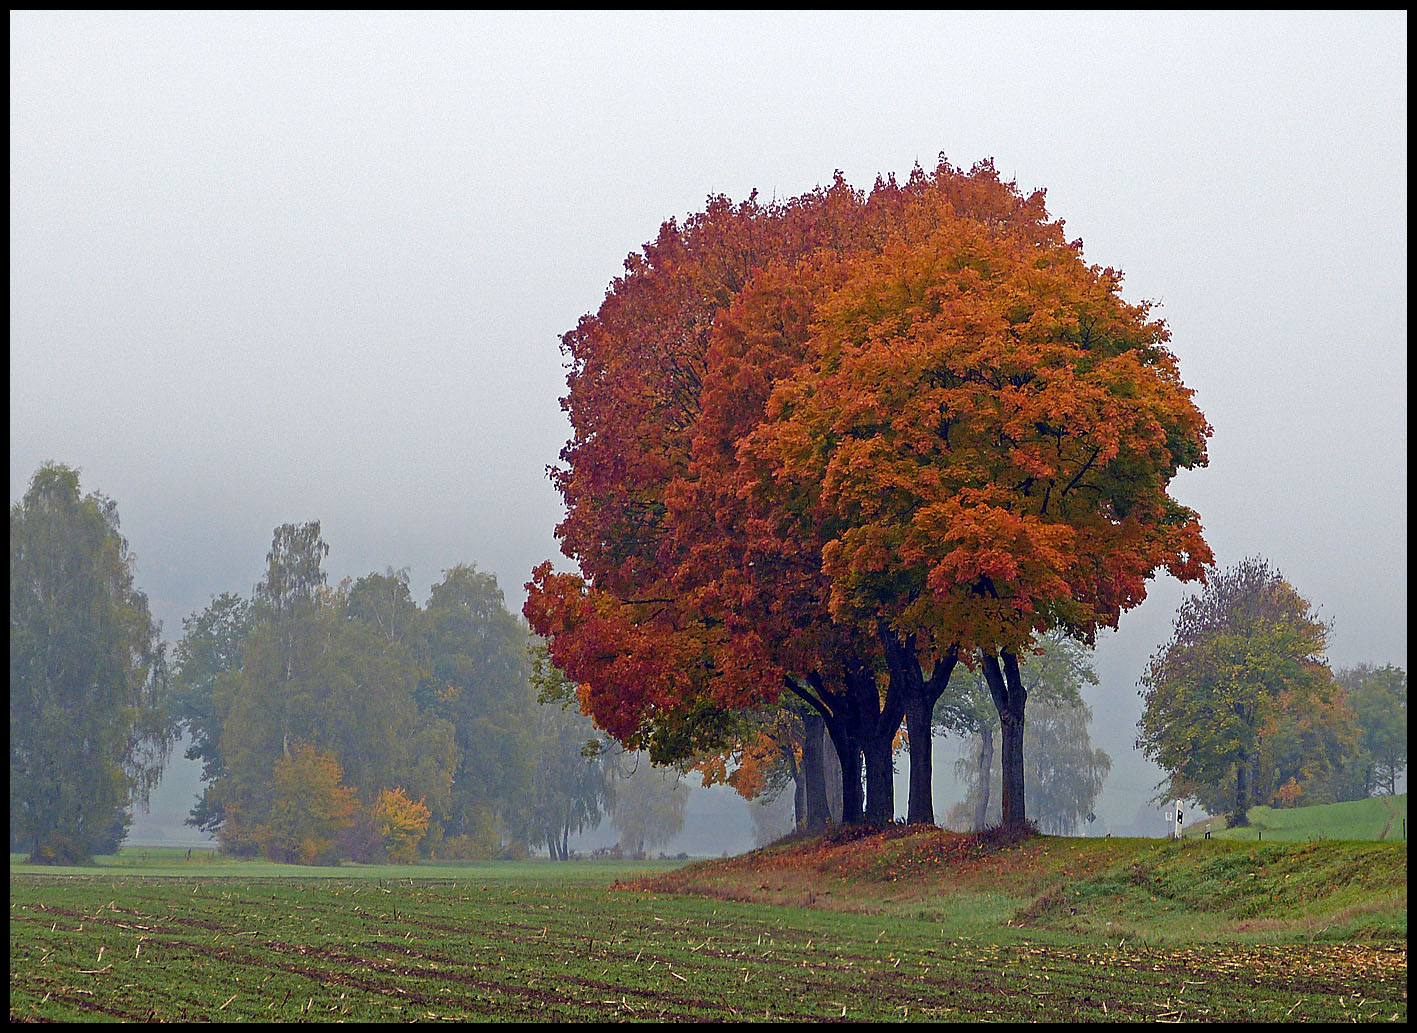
(649, 804)
(772, 816)
(1378, 698)
(478, 681)
(1239, 706)
(428, 708)
(571, 785)
(784, 753)
(312, 669)
(208, 654)
(90, 725)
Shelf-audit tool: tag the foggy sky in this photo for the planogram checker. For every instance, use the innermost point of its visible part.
(275, 267)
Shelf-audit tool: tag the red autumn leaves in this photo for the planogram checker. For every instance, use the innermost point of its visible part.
(803, 428)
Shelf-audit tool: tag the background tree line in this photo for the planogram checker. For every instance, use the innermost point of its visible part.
(332, 722)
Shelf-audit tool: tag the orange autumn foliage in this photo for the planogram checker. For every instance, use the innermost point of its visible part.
(807, 432)
(401, 823)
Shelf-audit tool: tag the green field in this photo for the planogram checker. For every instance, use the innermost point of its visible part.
(916, 926)
(1381, 818)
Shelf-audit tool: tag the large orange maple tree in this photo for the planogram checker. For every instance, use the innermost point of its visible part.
(840, 444)
(982, 436)
(674, 620)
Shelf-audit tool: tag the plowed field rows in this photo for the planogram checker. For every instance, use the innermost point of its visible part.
(140, 948)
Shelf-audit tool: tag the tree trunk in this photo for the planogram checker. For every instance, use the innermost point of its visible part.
(815, 810)
(920, 809)
(799, 796)
(908, 684)
(986, 771)
(1011, 769)
(1007, 689)
(878, 721)
(880, 778)
(919, 696)
(840, 714)
(848, 755)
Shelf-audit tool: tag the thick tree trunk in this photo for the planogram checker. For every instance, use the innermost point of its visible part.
(1011, 769)
(840, 713)
(920, 809)
(986, 769)
(917, 698)
(880, 778)
(848, 755)
(815, 811)
(877, 721)
(1007, 689)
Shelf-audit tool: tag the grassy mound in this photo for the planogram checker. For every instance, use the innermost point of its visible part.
(1154, 890)
(1381, 818)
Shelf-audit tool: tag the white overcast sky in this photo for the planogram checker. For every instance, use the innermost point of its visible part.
(279, 267)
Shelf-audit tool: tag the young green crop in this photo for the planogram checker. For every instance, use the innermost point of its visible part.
(559, 942)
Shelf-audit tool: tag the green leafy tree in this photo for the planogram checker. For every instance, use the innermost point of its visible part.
(479, 681)
(318, 666)
(649, 804)
(571, 784)
(1309, 751)
(90, 718)
(1378, 697)
(209, 652)
(310, 807)
(367, 712)
(1244, 652)
(384, 602)
(267, 699)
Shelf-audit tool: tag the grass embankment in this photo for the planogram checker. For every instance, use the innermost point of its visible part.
(904, 924)
(1146, 890)
(1378, 818)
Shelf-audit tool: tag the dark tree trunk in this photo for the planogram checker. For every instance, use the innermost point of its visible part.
(986, 766)
(839, 712)
(917, 698)
(1010, 696)
(815, 811)
(920, 808)
(878, 721)
(880, 779)
(1011, 770)
(848, 755)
